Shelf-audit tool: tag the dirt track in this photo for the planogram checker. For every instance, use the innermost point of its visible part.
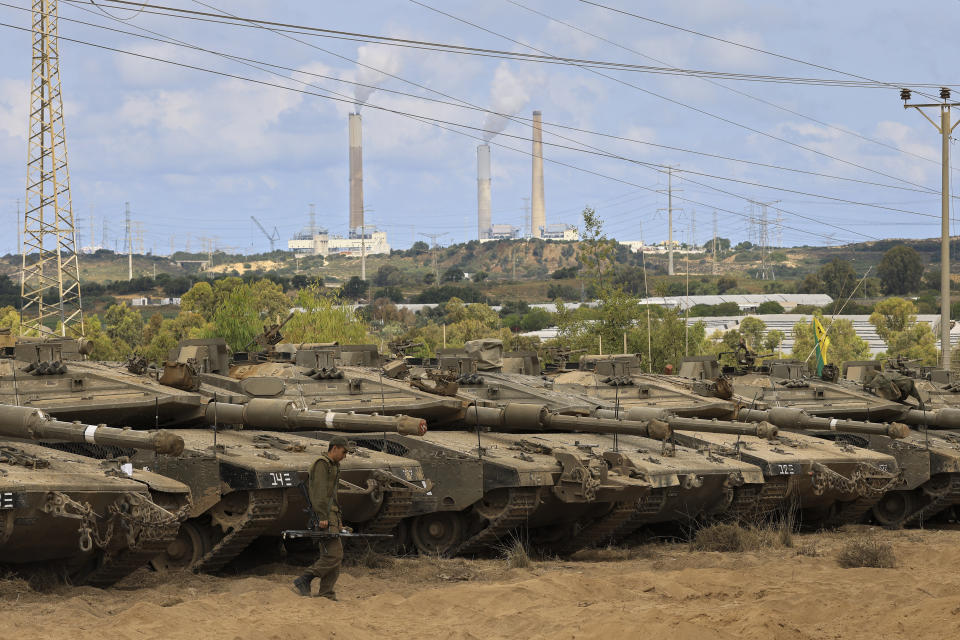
(668, 592)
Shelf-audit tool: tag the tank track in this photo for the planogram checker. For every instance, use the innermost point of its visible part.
(949, 496)
(263, 508)
(523, 501)
(600, 530)
(643, 510)
(396, 506)
(751, 502)
(116, 567)
(852, 512)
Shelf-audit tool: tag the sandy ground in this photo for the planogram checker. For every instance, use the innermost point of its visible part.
(659, 591)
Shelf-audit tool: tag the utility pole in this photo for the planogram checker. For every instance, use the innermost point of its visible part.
(670, 211)
(129, 244)
(714, 243)
(945, 128)
(670, 219)
(50, 272)
(434, 237)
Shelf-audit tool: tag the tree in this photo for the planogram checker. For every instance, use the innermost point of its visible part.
(895, 320)
(388, 276)
(892, 316)
(845, 344)
(199, 299)
(124, 325)
(900, 270)
(355, 288)
(811, 283)
(453, 274)
(839, 279)
(419, 247)
(324, 319)
(769, 307)
(772, 341)
(725, 283)
(752, 329)
(596, 250)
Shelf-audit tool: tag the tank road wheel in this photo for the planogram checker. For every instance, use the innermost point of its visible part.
(493, 503)
(192, 542)
(437, 533)
(894, 507)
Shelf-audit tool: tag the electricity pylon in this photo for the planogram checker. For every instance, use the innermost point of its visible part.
(50, 276)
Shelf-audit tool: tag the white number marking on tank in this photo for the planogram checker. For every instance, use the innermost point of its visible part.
(281, 479)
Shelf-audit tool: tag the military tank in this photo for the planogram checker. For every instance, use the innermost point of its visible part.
(831, 483)
(99, 520)
(55, 376)
(928, 461)
(243, 482)
(481, 493)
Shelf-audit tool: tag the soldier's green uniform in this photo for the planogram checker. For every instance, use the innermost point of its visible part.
(893, 386)
(322, 489)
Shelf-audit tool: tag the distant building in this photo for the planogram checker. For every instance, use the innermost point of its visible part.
(561, 231)
(502, 232)
(637, 246)
(370, 242)
(305, 243)
(321, 243)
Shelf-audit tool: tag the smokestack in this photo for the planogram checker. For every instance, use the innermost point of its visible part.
(356, 172)
(538, 216)
(483, 191)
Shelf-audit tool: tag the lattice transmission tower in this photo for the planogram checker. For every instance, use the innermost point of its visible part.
(50, 277)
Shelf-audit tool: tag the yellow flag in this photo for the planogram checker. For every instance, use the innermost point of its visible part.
(822, 338)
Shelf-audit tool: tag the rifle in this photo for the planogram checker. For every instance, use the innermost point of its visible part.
(313, 533)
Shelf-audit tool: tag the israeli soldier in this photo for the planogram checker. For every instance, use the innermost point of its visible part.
(322, 489)
(893, 386)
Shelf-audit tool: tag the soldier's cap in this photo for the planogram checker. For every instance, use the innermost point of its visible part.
(339, 441)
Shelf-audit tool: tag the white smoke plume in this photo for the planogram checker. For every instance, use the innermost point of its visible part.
(375, 63)
(508, 95)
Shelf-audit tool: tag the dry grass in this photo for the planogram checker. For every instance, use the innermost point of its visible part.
(867, 551)
(736, 538)
(516, 554)
(370, 558)
(616, 553)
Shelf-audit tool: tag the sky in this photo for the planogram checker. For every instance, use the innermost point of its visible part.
(196, 154)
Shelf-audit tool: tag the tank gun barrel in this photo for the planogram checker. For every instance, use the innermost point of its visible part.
(285, 415)
(535, 417)
(34, 424)
(945, 418)
(758, 428)
(798, 419)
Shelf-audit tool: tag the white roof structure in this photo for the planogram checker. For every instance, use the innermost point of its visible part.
(784, 322)
(744, 301)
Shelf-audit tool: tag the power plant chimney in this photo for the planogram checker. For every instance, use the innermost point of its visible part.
(538, 216)
(356, 173)
(483, 191)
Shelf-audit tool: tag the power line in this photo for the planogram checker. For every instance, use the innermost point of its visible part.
(741, 45)
(463, 105)
(677, 102)
(434, 121)
(731, 89)
(204, 16)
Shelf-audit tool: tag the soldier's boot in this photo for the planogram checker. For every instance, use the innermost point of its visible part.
(302, 584)
(332, 595)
